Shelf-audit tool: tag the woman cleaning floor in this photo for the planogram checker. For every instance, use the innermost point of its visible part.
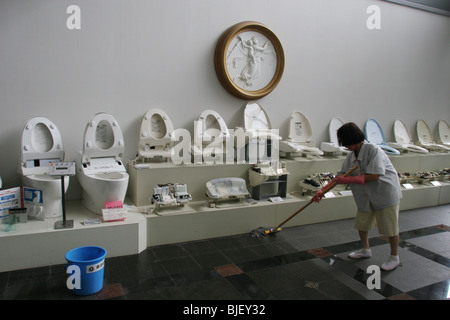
(376, 190)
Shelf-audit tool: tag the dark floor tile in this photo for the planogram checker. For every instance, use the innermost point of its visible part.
(213, 289)
(182, 279)
(247, 288)
(169, 251)
(436, 291)
(181, 265)
(276, 279)
(258, 264)
(211, 259)
(199, 247)
(294, 257)
(336, 290)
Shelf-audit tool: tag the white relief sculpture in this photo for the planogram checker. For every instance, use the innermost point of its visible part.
(252, 65)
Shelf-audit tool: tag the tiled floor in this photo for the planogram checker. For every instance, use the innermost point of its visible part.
(305, 262)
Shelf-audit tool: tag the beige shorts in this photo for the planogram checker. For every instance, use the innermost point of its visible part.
(386, 219)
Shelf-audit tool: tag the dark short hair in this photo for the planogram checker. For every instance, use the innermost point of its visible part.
(349, 134)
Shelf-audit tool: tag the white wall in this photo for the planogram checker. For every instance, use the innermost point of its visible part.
(130, 56)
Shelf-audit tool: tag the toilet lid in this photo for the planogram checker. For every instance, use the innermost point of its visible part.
(423, 132)
(103, 138)
(209, 124)
(401, 132)
(41, 139)
(255, 117)
(333, 127)
(299, 128)
(155, 125)
(444, 131)
(373, 132)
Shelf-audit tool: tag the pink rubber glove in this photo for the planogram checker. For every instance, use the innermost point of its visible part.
(319, 194)
(350, 179)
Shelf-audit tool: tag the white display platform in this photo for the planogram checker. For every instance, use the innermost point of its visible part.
(37, 243)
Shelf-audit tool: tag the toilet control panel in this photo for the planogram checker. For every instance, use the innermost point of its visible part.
(63, 168)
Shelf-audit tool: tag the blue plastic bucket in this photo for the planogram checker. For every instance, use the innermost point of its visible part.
(91, 263)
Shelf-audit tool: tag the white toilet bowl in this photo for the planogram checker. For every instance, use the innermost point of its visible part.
(100, 170)
(42, 145)
(155, 135)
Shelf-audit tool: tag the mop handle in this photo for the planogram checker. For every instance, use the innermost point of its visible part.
(327, 188)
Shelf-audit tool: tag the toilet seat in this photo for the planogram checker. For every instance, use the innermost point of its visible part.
(374, 133)
(103, 145)
(209, 126)
(41, 145)
(333, 145)
(444, 132)
(257, 123)
(155, 138)
(426, 138)
(403, 138)
(299, 137)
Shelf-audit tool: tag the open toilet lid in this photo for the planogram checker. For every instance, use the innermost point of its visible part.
(423, 132)
(209, 123)
(103, 138)
(155, 125)
(401, 132)
(255, 117)
(333, 127)
(374, 133)
(299, 128)
(41, 139)
(444, 131)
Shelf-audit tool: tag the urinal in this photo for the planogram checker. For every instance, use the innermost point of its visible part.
(403, 139)
(374, 133)
(333, 146)
(426, 138)
(299, 139)
(444, 133)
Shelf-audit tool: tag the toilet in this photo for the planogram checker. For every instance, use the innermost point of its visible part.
(259, 135)
(403, 139)
(209, 127)
(444, 133)
(155, 135)
(42, 145)
(100, 170)
(333, 146)
(426, 139)
(299, 140)
(374, 133)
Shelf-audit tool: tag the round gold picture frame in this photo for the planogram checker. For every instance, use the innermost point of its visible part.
(249, 60)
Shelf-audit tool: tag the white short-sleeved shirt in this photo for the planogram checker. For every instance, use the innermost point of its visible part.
(378, 194)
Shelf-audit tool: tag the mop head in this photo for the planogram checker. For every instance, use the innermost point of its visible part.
(261, 232)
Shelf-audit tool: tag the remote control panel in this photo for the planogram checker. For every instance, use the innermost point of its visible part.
(63, 168)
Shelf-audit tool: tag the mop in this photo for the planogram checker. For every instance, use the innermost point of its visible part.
(261, 231)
